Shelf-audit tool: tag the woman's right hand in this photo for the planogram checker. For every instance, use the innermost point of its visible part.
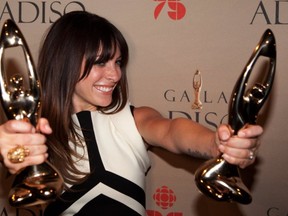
(15, 133)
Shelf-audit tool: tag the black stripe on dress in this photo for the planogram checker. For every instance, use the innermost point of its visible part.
(101, 204)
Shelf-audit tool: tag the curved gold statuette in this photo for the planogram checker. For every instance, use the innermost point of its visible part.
(35, 184)
(217, 178)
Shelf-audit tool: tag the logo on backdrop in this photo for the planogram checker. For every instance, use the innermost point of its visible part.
(199, 102)
(37, 11)
(175, 9)
(197, 84)
(164, 198)
(276, 16)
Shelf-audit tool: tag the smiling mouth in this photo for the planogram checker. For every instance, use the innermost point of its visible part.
(105, 88)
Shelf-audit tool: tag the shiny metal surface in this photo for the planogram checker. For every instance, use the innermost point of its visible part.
(35, 184)
(217, 178)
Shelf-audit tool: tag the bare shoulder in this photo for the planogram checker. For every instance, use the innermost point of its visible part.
(145, 113)
(145, 110)
(151, 124)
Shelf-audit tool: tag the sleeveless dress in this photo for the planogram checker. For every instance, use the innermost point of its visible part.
(117, 159)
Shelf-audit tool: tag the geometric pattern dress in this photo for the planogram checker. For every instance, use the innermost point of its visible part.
(117, 159)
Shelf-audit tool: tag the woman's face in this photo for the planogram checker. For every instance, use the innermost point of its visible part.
(96, 89)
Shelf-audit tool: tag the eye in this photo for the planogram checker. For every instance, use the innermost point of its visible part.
(119, 62)
(99, 63)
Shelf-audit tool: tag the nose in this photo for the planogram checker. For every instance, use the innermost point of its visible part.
(113, 72)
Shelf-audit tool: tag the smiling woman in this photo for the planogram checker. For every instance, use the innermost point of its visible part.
(99, 140)
(91, 66)
(93, 78)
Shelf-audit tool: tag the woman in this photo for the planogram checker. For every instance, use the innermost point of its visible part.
(99, 141)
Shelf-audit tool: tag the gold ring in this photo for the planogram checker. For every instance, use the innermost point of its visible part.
(17, 154)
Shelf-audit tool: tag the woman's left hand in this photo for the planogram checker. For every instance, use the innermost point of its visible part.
(240, 149)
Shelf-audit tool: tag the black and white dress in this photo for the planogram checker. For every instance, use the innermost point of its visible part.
(118, 160)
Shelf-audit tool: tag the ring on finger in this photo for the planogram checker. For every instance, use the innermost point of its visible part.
(17, 154)
(251, 155)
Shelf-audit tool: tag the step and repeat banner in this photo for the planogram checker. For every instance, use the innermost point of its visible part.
(185, 57)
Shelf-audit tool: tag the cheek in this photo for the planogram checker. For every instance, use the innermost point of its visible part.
(89, 80)
(83, 85)
(78, 89)
(120, 74)
(94, 75)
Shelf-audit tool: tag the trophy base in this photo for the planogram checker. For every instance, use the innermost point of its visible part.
(35, 185)
(221, 181)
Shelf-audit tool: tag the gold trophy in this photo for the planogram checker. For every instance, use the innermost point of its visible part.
(217, 178)
(39, 183)
(197, 85)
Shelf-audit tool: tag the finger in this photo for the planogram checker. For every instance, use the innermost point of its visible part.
(241, 143)
(250, 131)
(15, 168)
(33, 142)
(24, 139)
(35, 150)
(241, 153)
(16, 126)
(224, 132)
(43, 126)
(242, 163)
(37, 159)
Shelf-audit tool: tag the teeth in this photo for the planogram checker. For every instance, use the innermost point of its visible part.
(105, 89)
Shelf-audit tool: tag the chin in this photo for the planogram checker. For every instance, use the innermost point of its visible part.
(104, 103)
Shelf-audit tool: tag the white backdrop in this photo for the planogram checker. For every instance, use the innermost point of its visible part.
(167, 46)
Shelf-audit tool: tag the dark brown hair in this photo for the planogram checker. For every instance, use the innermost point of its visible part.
(72, 37)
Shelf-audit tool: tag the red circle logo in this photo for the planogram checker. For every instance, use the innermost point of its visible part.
(164, 197)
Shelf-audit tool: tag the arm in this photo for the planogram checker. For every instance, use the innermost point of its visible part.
(16, 132)
(185, 136)
(178, 135)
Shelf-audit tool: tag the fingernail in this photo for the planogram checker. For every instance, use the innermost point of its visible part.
(225, 136)
(241, 133)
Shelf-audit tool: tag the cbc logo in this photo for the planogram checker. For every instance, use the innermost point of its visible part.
(164, 197)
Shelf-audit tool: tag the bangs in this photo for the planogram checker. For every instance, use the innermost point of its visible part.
(102, 45)
(106, 50)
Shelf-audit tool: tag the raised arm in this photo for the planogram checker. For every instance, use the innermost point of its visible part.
(185, 136)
